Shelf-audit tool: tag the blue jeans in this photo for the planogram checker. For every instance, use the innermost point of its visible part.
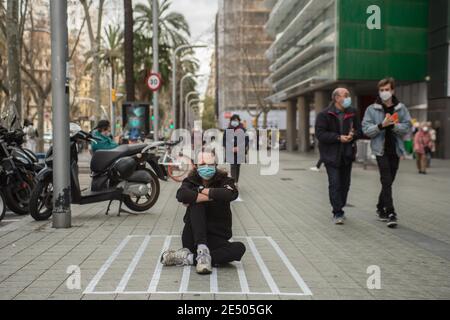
(339, 179)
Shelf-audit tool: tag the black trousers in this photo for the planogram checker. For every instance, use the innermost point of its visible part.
(195, 233)
(388, 167)
(339, 179)
(235, 172)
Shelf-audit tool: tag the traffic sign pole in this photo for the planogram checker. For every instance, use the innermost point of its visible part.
(155, 9)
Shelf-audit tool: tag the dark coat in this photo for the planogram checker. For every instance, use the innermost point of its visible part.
(328, 130)
(229, 159)
(222, 192)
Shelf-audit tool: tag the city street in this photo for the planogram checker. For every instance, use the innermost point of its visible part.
(294, 251)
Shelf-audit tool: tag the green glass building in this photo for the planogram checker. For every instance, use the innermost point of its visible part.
(322, 44)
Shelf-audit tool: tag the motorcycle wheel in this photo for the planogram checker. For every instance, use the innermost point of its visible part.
(41, 201)
(135, 203)
(18, 196)
(2, 206)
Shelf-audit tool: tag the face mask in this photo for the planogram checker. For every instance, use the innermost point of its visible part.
(347, 103)
(385, 95)
(206, 172)
(425, 129)
(234, 124)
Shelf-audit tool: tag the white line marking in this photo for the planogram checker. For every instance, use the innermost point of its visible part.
(90, 288)
(262, 266)
(196, 292)
(242, 277)
(185, 279)
(137, 257)
(291, 268)
(214, 286)
(11, 220)
(158, 268)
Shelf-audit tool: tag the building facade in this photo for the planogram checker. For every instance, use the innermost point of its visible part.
(439, 73)
(241, 64)
(320, 45)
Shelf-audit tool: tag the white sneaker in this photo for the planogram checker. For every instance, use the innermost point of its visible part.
(204, 261)
(176, 258)
(315, 169)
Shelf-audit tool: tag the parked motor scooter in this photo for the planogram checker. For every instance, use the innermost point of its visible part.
(128, 174)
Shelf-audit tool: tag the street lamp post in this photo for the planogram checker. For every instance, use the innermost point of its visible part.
(190, 108)
(155, 9)
(61, 143)
(182, 107)
(186, 103)
(174, 77)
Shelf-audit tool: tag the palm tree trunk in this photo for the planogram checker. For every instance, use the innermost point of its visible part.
(129, 50)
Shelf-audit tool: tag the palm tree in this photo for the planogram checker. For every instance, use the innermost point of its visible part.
(173, 32)
(173, 27)
(112, 51)
(129, 50)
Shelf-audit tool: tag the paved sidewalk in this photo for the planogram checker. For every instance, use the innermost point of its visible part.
(293, 249)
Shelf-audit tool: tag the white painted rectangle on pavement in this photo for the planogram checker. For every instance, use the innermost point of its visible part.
(137, 257)
(214, 286)
(262, 266)
(185, 279)
(186, 271)
(91, 286)
(157, 274)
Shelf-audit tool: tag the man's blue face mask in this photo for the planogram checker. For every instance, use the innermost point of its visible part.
(207, 172)
(347, 102)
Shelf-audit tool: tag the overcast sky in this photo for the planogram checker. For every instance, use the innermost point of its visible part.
(200, 15)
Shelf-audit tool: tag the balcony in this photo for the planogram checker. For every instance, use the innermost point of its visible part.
(309, 12)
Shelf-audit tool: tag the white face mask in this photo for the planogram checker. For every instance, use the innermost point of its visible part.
(385, 95)
(425, 129)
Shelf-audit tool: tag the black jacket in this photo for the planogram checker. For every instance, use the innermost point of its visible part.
(328, 131)
(222, 192)
(247, 143)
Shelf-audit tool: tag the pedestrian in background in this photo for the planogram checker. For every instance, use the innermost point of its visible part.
(423, 146)
(387, 122)
(31, 134)
(337, 129)
(235, 162)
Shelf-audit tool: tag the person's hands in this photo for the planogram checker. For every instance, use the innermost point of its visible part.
(202, 198)
(388, 121)
(206, 192)
(346, 139)
(235, 150)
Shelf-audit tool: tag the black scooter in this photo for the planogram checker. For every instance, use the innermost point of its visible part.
(20, 167)
(128, 174)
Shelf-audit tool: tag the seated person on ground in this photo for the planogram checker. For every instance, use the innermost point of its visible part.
(103, 133)
(207, 194)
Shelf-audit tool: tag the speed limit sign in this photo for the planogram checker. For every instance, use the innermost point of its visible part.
(154, 82)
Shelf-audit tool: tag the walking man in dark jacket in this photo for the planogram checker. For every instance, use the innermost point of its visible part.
(207, 194)
(337, 129)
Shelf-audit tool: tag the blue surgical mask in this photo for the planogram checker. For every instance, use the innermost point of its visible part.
(347, 102)
(207, 172)
(234, 124)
